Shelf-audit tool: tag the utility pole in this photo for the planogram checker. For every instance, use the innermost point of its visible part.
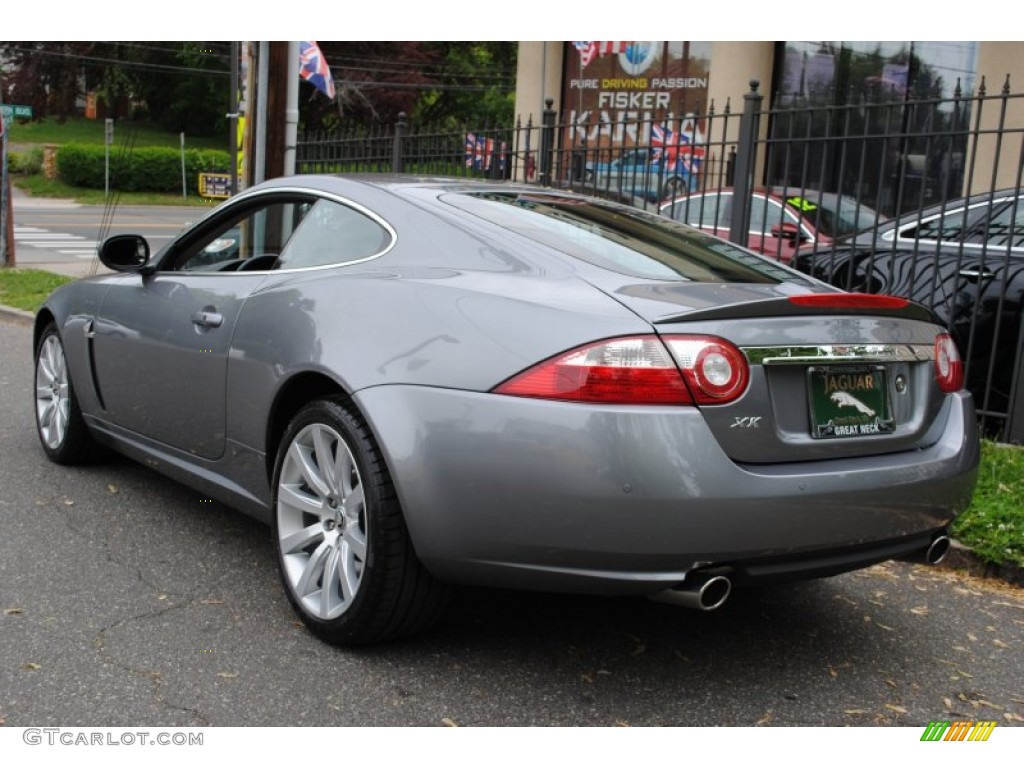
(233, 119)
(291, 114)
(6, 208)
(277, 99)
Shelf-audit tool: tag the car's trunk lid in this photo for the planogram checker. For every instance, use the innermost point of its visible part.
(833, 375)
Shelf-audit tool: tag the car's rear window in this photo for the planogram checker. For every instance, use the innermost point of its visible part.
(621, 239)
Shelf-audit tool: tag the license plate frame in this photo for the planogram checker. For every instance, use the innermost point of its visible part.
(847, 401)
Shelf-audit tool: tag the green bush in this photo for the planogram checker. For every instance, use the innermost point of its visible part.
(145, 169)
(29, 162)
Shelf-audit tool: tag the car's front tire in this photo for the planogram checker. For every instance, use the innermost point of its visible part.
(62, 430)
(344, 552)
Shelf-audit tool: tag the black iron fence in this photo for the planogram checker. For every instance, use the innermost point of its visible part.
(862, 195)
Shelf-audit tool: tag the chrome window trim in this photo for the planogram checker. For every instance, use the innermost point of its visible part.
(244, 196)
(900, 237)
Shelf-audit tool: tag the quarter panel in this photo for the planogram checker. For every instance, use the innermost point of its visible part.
(366, 328)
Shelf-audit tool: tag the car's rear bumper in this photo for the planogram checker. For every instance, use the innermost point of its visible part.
(516, 492)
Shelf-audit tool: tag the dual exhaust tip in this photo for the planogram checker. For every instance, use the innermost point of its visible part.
(708, 592)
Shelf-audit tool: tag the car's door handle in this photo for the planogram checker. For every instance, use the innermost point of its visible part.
(207, 318)
(976, 274)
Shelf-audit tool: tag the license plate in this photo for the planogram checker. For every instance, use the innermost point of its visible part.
(848, 401)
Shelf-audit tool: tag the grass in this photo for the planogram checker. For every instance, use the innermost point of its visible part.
(993, 526)
(78, 130)
(39, 186)
(27, 288)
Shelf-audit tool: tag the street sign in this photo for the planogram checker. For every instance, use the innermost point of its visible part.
(11, 111)
(215, 185)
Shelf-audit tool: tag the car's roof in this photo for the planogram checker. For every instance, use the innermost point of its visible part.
(396, 181)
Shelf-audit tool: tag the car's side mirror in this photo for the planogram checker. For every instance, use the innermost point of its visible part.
(125, 253)
(788, 231)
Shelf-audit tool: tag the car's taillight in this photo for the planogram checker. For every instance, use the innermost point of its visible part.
(949, 368)
(636, 370)
(715, 370)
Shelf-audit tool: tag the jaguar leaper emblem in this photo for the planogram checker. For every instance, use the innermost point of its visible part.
(846, 400)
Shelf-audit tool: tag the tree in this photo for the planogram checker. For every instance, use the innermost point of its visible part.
(443, 84)
(47, 76)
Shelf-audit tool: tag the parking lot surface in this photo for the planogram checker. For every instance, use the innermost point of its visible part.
(125, 598)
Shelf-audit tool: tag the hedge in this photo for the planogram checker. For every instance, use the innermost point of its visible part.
(146, 169)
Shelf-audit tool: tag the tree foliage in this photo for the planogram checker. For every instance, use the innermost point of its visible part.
(442, 84)
(183, 86)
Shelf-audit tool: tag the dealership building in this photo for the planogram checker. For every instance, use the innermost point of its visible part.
(617, 84)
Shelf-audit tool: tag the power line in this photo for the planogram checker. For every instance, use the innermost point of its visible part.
(148, 66)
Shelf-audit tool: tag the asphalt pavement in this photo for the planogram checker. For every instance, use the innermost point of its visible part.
(125, 598)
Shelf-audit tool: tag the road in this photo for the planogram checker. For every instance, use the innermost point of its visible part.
(61, 236)
(126, 599)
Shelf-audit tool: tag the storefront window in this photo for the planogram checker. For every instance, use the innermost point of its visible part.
(903, 94)
(625, 99)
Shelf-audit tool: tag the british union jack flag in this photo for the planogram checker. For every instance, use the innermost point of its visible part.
(675, 150)
(313, 68)
(482, 151)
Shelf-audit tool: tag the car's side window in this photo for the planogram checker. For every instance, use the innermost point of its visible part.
(702, 210)
(254, 240)
(766, 213)
(950, 227)
(1006, 227)
(333, 233)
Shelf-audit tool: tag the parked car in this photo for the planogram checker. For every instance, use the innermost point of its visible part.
(638, 173)
(964, 259)
(424, 383)
(781, 220)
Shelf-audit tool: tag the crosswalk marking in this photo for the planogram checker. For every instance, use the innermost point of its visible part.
(62, 242)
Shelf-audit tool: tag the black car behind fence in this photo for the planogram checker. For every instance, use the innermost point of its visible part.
(905, 161)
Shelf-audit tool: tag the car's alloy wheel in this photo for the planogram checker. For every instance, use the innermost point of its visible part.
(62, 431)
(321, 518)
(344, 552)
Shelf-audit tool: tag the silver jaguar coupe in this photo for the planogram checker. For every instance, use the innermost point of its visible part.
(422, 383)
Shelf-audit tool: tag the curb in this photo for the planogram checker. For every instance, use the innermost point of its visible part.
(19, 316)
(962, 558)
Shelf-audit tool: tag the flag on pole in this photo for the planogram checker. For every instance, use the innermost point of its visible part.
(589, 49)
(313, 68)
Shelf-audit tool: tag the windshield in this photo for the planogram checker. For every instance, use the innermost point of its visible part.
(833, 215)
(620, 239)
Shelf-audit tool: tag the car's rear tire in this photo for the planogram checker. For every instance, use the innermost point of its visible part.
(344, 552)
(62, 430)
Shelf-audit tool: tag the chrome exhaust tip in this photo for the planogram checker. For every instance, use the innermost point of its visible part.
(700, 591)
(933, 554)
(938, 550)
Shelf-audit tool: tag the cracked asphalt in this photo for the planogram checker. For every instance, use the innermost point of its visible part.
(125, 600)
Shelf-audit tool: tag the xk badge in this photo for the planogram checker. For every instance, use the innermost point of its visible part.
(746, 422)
